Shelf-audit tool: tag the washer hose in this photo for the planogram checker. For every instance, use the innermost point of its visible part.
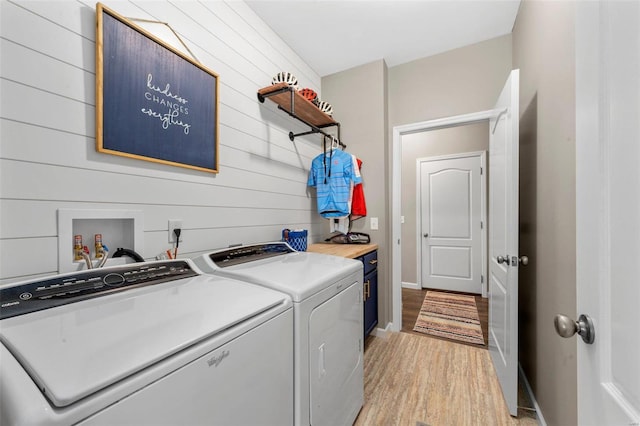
(128, 252)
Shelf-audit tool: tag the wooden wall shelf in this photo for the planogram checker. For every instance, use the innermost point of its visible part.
(289, 100)
(298, 107)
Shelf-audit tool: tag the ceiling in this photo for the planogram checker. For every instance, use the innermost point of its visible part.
(333, 36)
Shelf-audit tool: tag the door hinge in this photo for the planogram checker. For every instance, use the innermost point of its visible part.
(481, 225)
(481, 279)
(481, 170)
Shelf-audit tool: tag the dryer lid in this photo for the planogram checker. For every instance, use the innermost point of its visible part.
(74, 350)
(299, 274)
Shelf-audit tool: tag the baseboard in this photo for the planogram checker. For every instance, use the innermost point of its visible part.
(382, 332)
(413, 286)
(529, 391)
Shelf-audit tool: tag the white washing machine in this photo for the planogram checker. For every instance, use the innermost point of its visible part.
(328, 323)
(146, 343)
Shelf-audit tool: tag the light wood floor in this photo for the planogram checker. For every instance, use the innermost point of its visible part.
(413, 379)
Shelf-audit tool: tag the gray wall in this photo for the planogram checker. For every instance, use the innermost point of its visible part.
(359, 100)
(453, 140)
(49, 161)
(457, 82)
(543, 50)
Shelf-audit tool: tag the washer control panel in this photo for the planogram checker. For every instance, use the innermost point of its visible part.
(69, 288)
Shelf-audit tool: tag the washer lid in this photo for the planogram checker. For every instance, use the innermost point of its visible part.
(299, 274)
(74, 350)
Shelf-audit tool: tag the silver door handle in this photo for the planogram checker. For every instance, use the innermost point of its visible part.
(566, 327)
(502, 260)
(523, 260)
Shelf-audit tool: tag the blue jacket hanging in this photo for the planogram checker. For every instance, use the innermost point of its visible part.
(333, 175)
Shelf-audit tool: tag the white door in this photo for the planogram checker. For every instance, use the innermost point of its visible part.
(450, 223)
(608, 210)
(503, 240)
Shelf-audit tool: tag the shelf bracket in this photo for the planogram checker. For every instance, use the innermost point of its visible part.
(292, 136)
(261, 97)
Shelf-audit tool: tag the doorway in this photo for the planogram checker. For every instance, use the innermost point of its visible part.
(405, 136)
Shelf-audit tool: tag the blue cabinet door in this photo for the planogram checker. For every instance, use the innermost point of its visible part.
(370, 290)
(371, 301)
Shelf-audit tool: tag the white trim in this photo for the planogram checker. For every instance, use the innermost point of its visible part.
(413, 286)
(443, 123)
(532, 397)
(418, 222)
(482, 156)
(382, 332)
(67, 229)
(396, 191)
(485, 220)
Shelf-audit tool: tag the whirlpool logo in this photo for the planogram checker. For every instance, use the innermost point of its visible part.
(214, 361)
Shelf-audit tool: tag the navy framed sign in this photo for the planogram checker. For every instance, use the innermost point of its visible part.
(152, 102)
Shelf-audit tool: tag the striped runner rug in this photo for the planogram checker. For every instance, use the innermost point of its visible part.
(454, 316)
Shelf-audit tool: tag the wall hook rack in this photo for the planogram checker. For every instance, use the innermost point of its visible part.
(296, 106)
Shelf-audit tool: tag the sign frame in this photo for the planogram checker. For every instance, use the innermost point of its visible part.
(153, 102)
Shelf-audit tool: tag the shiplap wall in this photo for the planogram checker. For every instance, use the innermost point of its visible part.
(48, 158)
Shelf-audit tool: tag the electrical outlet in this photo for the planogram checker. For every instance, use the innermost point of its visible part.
(374, 223)
(175, 224)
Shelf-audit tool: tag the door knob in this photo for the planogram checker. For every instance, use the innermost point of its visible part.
(426, 235)
(523, 260)
(566, 327)
(502, 260)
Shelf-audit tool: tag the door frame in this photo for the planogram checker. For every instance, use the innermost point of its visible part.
(482, 155)
(396, 192)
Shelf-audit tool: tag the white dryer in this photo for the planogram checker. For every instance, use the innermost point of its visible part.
(146, 343)
(328, 323)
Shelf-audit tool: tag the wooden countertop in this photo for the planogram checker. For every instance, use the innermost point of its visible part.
(345, 250)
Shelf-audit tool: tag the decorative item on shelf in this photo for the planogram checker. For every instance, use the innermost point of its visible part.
(325, 107)
(285, 77)
(308, 94)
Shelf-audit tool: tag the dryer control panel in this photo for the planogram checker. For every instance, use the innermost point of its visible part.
(69, 288)
(244, 254)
